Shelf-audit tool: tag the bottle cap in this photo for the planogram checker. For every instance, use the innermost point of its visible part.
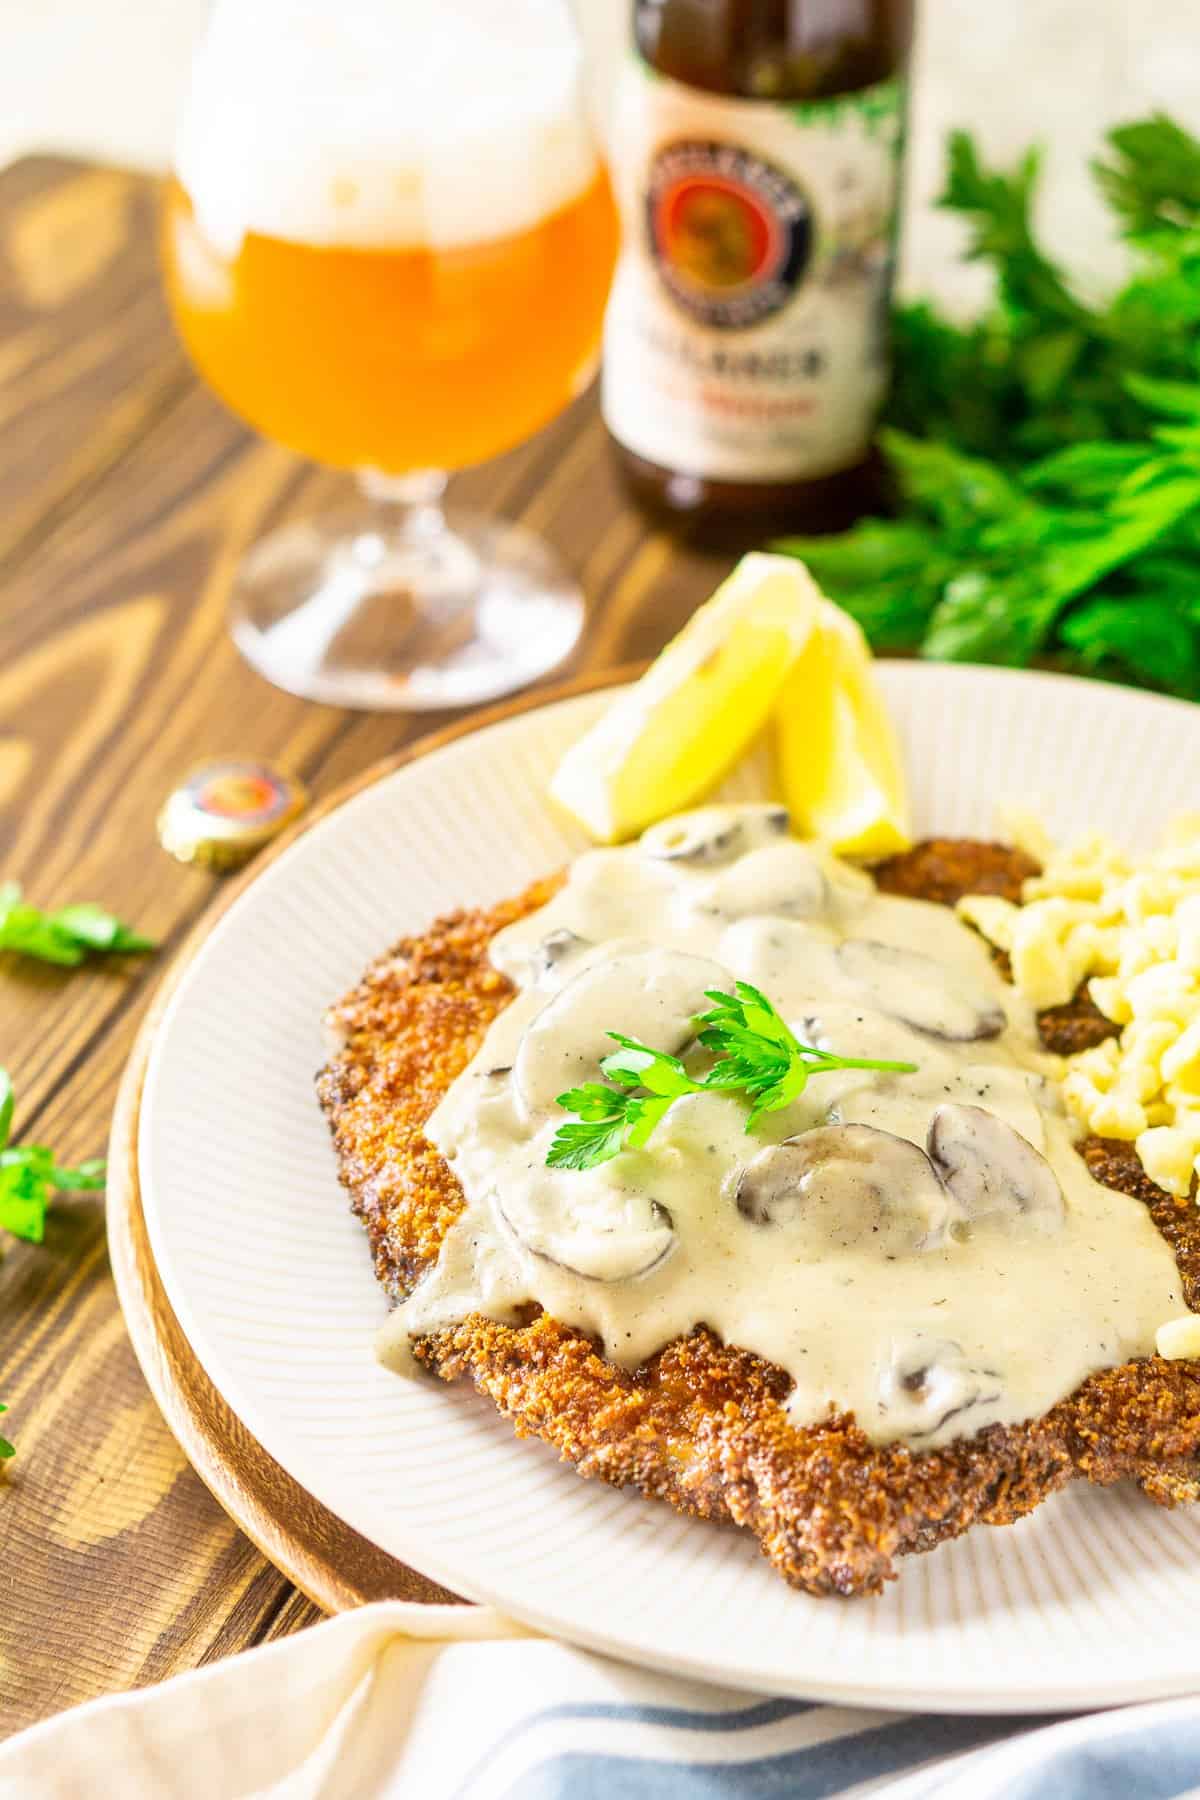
(225, 810)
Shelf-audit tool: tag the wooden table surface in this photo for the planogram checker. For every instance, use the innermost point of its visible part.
(127, 496)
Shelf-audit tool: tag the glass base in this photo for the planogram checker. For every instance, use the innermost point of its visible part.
(393, 605)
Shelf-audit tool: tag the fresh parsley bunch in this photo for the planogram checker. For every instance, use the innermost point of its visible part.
(756, 1054)
(66, 936)
(30, 1176)
(1046, 458)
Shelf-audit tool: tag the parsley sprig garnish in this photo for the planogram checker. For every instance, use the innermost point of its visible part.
(30, 1176)
(66, 936)
(756, 1054)
(6, 1449)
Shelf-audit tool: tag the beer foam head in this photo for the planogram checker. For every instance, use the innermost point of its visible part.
(383, 122)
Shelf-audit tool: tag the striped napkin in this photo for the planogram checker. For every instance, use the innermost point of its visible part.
(403, 1702)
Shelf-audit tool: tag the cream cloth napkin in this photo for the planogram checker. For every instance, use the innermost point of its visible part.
(408, 1702)
(332, 1712)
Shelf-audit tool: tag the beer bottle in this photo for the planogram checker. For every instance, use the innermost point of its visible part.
(757, 146)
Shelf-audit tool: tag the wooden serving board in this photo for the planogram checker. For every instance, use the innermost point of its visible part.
(333, 1565)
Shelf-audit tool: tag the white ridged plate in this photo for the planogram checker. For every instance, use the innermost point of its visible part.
(1094, 1599)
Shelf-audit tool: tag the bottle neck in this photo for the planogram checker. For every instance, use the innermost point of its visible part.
(775, 49)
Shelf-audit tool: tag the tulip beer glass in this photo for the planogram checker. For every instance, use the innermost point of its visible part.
(388, 240)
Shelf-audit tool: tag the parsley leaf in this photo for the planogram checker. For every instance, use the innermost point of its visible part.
(635, 1065)
(30, 1176)
(6, 1449)
(1153, 179)
(66, 936)
(581, 1144)
(998, 210)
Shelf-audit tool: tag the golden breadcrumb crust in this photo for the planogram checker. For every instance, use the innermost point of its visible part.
(702, 1424)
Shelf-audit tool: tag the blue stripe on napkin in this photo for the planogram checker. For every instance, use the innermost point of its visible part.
(810, 1771)
(678, 1718)
(1142, 1763)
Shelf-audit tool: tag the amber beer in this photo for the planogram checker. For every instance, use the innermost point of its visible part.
(397, 357)
(757, 149)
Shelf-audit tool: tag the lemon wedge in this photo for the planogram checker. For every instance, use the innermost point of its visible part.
(837, 757)
(668, 739)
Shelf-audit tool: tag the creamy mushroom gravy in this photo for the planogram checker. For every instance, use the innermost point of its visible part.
(927, 1251)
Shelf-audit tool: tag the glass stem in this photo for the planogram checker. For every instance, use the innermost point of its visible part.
(409, 506)
(410, 553)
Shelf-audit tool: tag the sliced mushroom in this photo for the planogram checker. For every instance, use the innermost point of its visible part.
(621, 1251)
(536, 962)
(929, 1383)
(919, 990)
(842, 1187)
(781, 880)
(713, 834)
(650, 994)
(550, 953)
(991, 1170)
(853, 1028)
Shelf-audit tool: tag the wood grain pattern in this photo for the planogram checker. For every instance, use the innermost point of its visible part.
(126, 497)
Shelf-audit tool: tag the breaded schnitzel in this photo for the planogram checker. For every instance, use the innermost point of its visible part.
(702, 1424)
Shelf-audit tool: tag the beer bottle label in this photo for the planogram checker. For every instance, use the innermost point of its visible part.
(746, 332)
